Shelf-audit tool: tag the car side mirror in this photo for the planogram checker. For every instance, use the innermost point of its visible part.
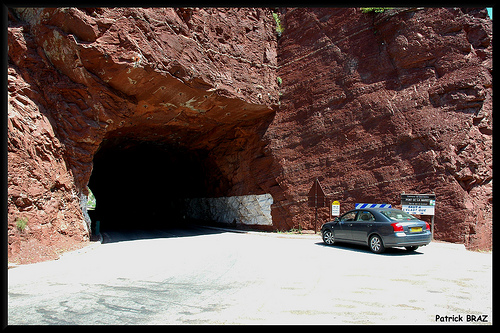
(336, 219)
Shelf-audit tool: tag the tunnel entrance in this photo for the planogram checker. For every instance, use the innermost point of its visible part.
(143, 185)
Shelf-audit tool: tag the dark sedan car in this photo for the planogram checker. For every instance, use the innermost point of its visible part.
(379, 228)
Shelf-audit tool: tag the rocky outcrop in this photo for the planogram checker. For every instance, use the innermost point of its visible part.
(377, 104)
(89, 80)
(182, 102)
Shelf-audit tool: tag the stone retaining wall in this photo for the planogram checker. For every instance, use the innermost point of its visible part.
(246, 209)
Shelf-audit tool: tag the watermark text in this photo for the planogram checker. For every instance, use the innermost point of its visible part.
(469, 318)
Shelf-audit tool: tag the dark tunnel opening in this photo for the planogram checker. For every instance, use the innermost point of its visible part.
(143, 185)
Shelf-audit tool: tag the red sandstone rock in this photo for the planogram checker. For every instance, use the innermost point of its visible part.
(371, 104)
(197, 78)
(380, 104)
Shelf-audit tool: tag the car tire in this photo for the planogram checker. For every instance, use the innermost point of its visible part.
(411, 248)
(328, 237)
(376, 244)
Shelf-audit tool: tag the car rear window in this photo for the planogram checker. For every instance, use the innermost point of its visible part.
(398, 215)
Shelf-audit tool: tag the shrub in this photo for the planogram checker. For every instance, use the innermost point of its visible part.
(21, 223)
(91, 201)
(374, 9)
(279, 28)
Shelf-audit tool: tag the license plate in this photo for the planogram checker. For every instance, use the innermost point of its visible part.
(419, 229)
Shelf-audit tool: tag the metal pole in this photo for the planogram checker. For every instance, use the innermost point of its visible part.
(315, 219)
(330, 209)
(432, 227)
(315, 204)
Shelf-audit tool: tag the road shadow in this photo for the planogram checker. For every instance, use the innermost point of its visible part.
(392, 251)
(173, 231)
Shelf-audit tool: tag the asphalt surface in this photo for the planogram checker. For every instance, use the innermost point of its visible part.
(209, 276)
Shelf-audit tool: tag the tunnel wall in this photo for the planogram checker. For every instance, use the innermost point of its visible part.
(246, 209)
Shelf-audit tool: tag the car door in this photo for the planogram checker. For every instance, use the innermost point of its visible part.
(343, 228)
(360, 227)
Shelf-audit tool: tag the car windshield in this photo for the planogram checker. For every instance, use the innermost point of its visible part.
(398, 215)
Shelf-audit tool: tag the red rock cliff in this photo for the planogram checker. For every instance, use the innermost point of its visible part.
(86, 84)
(377, 104)
(371, 104)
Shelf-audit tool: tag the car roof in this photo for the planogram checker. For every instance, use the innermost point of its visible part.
(380, 209)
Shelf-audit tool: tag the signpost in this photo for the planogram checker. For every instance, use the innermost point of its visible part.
(335, 208)
(420, 204)
(316, 198)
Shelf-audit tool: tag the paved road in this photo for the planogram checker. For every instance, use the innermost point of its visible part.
(205, 276)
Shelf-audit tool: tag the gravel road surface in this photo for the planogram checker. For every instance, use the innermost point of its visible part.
(198, 275)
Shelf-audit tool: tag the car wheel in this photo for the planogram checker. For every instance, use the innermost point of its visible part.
(328, 237)
(376, 245)
(411, 248)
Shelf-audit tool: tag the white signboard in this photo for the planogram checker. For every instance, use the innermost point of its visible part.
(418, 204)
(418, 210)
(335, 208)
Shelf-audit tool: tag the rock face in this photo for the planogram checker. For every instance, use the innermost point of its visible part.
(88, 86)
(162, 104)
(377, 104)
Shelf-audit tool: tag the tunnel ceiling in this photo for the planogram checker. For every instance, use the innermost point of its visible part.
(223, 137)
(164, 152)
(187, 116)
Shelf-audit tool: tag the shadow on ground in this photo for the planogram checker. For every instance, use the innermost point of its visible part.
(172, 231)
(393, 251)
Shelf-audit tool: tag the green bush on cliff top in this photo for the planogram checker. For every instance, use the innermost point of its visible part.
(279, 28)
(374, 9)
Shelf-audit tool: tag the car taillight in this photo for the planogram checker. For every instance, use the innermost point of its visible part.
(397, 227)
(427, 226)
